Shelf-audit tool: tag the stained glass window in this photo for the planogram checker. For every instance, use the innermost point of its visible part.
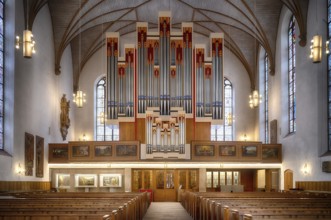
(266, 99)
(1, 73)
(291, 76)
(329, 77)
(103, 132)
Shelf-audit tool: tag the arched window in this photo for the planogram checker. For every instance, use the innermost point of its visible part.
(1, 72)
(103, 132)
(291, 76)
(266, 99)
(329, 76)
(225, 132)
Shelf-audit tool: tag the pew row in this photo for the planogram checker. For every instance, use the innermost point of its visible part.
(247, 206)
(73, 206)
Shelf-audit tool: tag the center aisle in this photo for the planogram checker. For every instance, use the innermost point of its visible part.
(166, 211)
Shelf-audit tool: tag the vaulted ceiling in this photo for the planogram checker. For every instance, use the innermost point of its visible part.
(246, 24)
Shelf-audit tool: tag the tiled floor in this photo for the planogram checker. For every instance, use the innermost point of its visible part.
(166, 211)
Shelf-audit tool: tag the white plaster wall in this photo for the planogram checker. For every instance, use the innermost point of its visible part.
(261, 179)
(233, 70)
(34, 94)
(310, 139)
(244, 116)
(90, 74)
(202, 180)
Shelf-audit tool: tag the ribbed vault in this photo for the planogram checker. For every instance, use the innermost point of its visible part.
(247, 24)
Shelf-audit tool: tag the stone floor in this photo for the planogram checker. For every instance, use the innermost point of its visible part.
(166, 211)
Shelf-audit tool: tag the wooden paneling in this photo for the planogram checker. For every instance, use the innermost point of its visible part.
(235, 151)
(24, 186)
(58, 153)
(288, 179)
(161, 180)
(272, 153)
(197, 130)
(271, 180)
(127, 132)
(314, 185)
(190, 130)
(140, 130)
(88, 151)
(104, 151)
(202, 131)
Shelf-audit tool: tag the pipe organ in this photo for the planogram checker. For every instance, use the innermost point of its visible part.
(165, 75)
(209, 79)
(165, 134)
(120, 79)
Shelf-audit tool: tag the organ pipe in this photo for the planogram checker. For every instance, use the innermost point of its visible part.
(162, 63)
(111, 77)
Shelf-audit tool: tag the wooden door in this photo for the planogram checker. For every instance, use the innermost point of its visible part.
(288, 180)
(272, 180)
(166, 183)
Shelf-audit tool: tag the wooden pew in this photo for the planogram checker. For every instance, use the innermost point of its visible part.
(210, 206)
(67, 206)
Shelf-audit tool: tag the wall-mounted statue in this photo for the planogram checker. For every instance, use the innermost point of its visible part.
(64, 117)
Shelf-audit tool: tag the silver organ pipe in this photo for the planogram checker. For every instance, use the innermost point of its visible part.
(162, 63)
(120, 89)
(207, 89)
(112, 77)
(142, 60)
(181, 133)
(156, 87)
(215, 98)
(217, 62)
(199, 60)
(187, 63)
(129, 89)
(158, 135)
(177, 85)
(155, 76)
(149, 125)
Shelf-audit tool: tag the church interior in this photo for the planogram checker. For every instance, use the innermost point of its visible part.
(166, 97)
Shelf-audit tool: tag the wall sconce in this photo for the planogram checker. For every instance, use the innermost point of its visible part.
(255, 99)
(316, 49)
(327, 50)
(229, 119)
(84, 137)
(244, 137)
(306, 169)
(28, 44)
(20, 170)
(102, 118)
(79, 98)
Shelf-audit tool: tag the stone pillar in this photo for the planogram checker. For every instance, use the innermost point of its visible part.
(202, 180)
(127, 179)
